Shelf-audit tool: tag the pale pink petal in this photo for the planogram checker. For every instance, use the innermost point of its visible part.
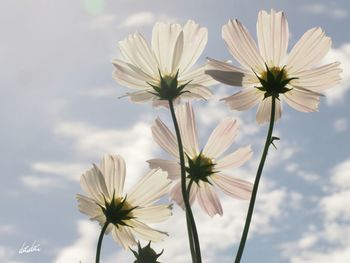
(123, 236)
(152, 214)
(264, 110)
(188, 129)
(93, 182)
(208, 199)
(142, 96)
(221, 138)
(149, 188)
(242, 46)
(308, 51)
(176, 194)
(197, 77)
(195, 39)
(318, 79)
(273, 34)
(130, 76)
(244, 99)
(196, 91)
(171, 167)
(136, 51)
(235, 159)
(303, 101)
(166, 46)
(113, 169)
(231, 186)
(89, 207)
(165, 138)
(145, 232)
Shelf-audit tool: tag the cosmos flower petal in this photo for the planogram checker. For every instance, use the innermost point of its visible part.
(165, 138)
(233, 187)
(188, 129)
(153, 214)
(264, 110)
(197, 77)
(113, 169)
(130, 76)
(318, 79)
(221, 138)
(88, 206)
(92, 181)
(136, 51)
(141, 96)
(208, 199)
(176, 194)
(235, 159)
(195, 39)
(197, 91)
(308, 51)
(166, 46)
(273, 34)
(303, 101)
(147, 233)
(242, 46)
(244, 99)
(149, 189)
(123, 236)
(171, 167)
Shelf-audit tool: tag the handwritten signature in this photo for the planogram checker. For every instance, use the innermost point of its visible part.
(34, 247)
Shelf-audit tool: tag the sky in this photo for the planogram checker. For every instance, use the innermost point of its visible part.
(60, 112)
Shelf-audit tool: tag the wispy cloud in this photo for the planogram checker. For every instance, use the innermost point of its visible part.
(341, 54)
(323, 9)
(340, 125)
(329, 242)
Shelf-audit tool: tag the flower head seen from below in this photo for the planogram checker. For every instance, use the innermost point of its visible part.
(127, 214)
(268, 71)
(163, 70)
(204, 168)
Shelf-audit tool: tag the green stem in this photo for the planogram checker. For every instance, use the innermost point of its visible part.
(99, 244)
(189, 215)
(193, 254)
(256, 183)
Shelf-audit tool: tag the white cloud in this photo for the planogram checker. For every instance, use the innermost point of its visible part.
(52, 174)
(322, 9)
(40, 182)
(145, 18)
(340, 125)
(102, 21)
(329, 242)
(134, 144)
(341, 54)
(139, 19)
(83, 249)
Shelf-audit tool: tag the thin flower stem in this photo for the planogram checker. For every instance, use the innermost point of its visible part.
(256, 183)
(192, 235)
(193, 254)
(99, 244)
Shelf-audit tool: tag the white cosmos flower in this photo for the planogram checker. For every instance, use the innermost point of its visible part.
(173, 50)
(130, 213)
(204, 167)
(305, 80)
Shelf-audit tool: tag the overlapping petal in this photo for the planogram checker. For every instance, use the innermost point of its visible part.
(273, 34)
(202, 189)
(105, 186)
(173, 52)
(298, 67)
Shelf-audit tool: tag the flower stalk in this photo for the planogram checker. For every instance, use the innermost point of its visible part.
(268, 142)
(99, 244)
(191, 225)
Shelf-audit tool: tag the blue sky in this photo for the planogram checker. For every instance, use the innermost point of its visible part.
(61, 112)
